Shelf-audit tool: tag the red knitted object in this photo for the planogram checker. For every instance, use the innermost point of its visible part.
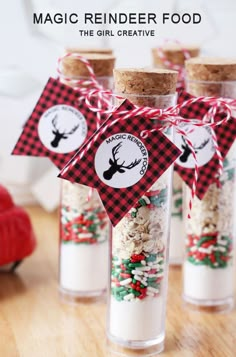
(17, 239)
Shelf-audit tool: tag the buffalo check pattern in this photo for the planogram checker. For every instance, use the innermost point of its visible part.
(54, 93)
(225, 134)
(117, 202)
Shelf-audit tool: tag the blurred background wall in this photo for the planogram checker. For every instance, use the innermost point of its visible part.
(29, 54)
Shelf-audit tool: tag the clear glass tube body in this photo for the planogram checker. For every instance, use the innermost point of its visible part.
(139, 264)
(208, 279)
(84, 238)
(176, 253)
(177, 232)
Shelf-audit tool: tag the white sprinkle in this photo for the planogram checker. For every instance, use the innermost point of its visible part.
(64, 220)
(143, 262)
(159, 275)
(158, 260)
(150, 264)
(146, 199)
(205, 250)
(117, 262)
(219, 249)
(222, 242)
(85, 235)
(142, 281)
(152, 275)
(146, 268)
(138, 272)
(129, 297)
(193, 249)
(150, 293)
(157, 266)
(126, 281)
(153, 290)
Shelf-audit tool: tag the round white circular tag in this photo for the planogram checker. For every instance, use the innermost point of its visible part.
(201, 138)
(121, 160)
(62, 129)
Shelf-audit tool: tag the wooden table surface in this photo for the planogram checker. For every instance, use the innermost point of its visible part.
(34, 322)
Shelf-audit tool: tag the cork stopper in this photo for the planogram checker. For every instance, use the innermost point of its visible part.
(145, 81)
(219, 72)
(105, 51)
(102, 65)
(211, 69)
(139, 85)
(174, 54)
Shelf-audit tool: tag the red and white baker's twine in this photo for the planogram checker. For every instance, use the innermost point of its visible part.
(209, 117)
(169, 115)
(171, 65)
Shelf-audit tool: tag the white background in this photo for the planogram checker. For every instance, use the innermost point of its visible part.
(29, 53)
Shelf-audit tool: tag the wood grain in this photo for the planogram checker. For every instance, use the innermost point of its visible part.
(34, 322)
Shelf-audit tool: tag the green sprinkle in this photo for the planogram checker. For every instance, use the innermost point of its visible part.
(125, 261)
(151, 258)
(154, 285)
(135, 265)
(123, 293)
(149, 280)
(203, 240)
(142, 202)
(135, 292)
(119, 289)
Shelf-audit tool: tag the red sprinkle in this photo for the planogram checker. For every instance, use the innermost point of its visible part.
(152, 271)
(212, 258)
(225, 259)
(125, 275)
(123, 267)
(137, 258)
(152, 193)
(200, 255)
(208, 243)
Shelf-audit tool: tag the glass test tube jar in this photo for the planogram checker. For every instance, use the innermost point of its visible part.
(140, 242)
(208, 281)
(175, 55)
(84, 226)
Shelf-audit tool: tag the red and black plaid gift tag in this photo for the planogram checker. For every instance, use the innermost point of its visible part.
(120, 163)
(59, 125)
(204, 147)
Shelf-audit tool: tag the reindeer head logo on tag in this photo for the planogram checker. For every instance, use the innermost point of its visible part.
(62, 129)
(187, 151)
(121, 160)
(201, 138)
(60, 135)
(115, 167)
